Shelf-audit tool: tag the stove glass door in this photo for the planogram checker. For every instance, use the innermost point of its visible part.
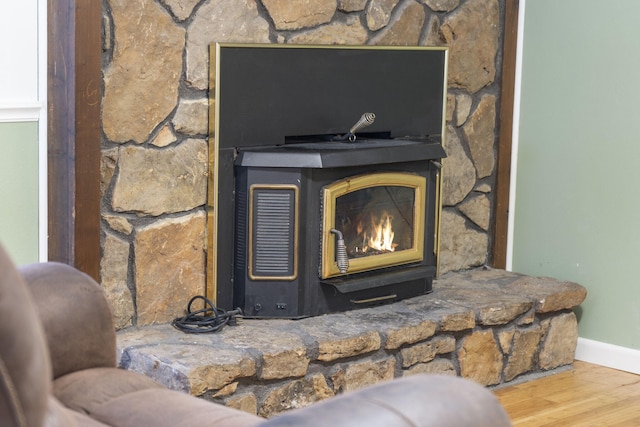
(372, 221)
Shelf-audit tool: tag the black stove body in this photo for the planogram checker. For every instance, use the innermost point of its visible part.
(288, 165)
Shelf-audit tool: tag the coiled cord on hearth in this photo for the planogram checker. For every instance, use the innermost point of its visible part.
(206, 320)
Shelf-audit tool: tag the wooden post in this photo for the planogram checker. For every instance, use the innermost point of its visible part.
(74, 98)
(503, 169)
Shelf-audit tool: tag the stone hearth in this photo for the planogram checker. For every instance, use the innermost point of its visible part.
(492, 326)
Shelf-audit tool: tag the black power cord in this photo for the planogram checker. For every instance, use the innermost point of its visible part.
(209, 319)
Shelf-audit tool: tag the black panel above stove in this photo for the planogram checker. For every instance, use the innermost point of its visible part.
(272, 92)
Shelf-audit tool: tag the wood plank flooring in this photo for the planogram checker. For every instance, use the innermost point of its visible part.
(588, 395)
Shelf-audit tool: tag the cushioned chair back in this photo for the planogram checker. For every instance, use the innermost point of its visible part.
(83, 336)
(25, 372)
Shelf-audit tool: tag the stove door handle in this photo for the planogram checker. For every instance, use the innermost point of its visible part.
(342, 259)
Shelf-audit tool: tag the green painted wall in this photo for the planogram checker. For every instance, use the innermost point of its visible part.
(19, 190)
(577, 205)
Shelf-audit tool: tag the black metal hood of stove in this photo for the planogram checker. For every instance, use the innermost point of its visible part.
(321, 153)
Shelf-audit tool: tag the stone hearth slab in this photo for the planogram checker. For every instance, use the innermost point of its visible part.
(489, 325)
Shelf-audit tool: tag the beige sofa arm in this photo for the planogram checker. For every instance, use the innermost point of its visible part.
(75, 315)
(24, 361)
(415, 401)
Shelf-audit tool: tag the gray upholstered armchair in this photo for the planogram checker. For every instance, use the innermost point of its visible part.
(58, 368)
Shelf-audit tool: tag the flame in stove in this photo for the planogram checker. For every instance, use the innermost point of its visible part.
(380, 235)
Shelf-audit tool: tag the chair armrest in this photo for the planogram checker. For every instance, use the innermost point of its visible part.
(415, 401)
(25, 373)
(75, 315)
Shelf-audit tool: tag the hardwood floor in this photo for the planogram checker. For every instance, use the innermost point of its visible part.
(588, 395)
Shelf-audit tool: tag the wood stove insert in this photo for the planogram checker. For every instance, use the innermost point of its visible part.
(306, 217)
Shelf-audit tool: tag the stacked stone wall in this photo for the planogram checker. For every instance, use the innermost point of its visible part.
(155, 125)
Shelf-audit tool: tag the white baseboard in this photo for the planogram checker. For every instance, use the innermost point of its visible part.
(609, 355)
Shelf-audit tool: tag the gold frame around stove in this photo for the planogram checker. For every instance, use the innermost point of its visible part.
(330, 194)
(214, 147)
(211, 281)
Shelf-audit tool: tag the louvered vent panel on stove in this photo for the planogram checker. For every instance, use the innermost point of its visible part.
(273, 233)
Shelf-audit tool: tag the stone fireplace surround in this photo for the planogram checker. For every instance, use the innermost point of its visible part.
(489, 325)
(155, 122)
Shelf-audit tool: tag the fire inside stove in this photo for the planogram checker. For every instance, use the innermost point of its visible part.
(370, 229)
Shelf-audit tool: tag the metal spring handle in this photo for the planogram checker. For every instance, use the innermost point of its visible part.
(366, 120)
(342, 259)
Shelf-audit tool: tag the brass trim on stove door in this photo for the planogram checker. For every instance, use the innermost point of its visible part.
(331, 193)
(274, 189)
